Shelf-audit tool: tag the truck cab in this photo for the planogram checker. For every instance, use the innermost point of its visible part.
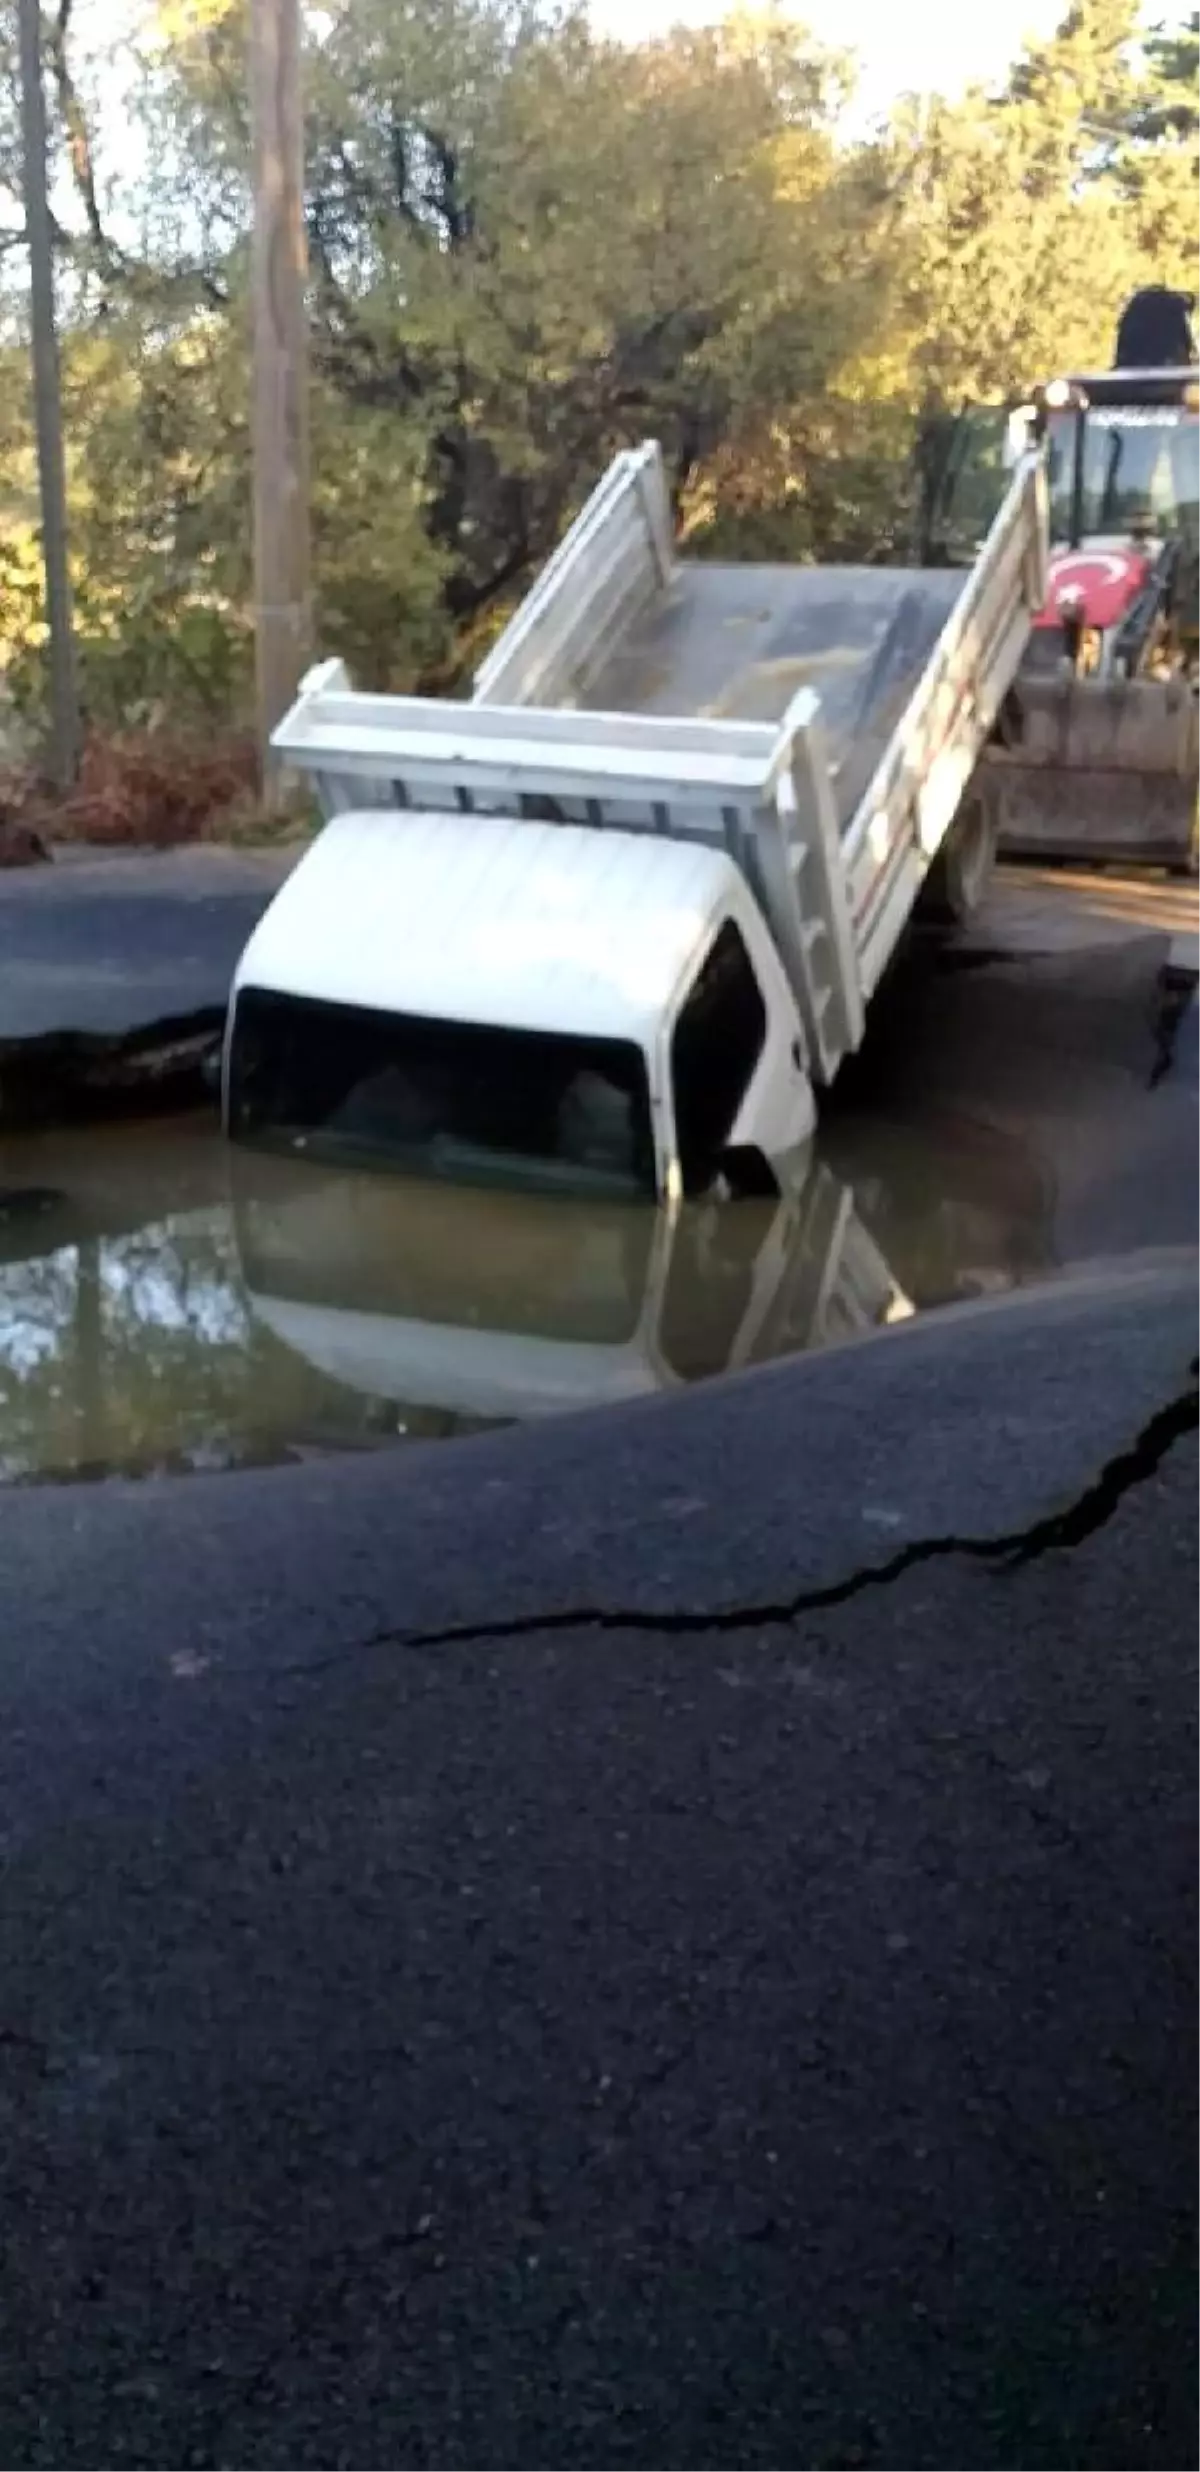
(540, 1006)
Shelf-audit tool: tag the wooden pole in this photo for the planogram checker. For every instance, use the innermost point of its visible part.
(47, 399)
(280, 360)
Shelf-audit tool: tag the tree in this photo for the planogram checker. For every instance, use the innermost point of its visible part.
(528, 247)
(571, 247)
(1158, 160)
(1168, 109)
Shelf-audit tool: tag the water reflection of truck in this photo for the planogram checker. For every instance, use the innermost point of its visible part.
(960, 1206)
(602, 929)
(514, 1306)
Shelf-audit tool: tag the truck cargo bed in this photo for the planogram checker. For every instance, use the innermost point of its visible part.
(820, 726)
(734, 643)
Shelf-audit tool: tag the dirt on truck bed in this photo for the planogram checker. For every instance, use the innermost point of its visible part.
(735, 643)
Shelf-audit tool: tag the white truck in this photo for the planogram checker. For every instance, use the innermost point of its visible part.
(603, 928)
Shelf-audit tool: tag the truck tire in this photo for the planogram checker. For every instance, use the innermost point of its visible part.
(958, 880)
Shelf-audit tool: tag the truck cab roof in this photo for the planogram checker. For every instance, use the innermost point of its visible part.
(1139, 388)
(530, 926)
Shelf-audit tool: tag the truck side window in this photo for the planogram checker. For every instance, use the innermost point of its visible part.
(717, 1043)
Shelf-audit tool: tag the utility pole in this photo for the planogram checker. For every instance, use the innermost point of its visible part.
(280, 357)
(47, 398)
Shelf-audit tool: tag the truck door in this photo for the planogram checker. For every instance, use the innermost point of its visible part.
(737, 1069)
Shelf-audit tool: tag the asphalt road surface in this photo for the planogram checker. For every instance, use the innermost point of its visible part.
(105, 947)
(665, 1939)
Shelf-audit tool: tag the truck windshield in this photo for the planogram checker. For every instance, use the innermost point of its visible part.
(1141, 472)
(444, 1099)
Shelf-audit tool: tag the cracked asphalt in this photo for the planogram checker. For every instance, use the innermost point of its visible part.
(756, 2027)
(106, 945)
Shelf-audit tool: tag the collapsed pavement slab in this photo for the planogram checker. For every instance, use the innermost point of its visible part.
(115, 971)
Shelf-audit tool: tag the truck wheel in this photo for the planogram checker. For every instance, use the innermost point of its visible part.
(958, 880)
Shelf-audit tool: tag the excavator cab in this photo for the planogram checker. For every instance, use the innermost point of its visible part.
(1120, 465)
(1100, 757)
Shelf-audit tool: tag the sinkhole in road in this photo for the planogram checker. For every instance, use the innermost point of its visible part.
(170, 1305)
(1025, 1104)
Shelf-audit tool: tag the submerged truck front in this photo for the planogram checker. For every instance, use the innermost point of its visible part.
(502, 1001)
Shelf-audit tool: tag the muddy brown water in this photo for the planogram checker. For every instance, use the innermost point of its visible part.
(169, 1305)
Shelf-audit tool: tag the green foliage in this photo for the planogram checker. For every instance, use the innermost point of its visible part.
(1167, 108)
(159, 461)
(379, 591)
(529, 246)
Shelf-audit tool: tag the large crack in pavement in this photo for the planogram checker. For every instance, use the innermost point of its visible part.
(1060, 1531)
(1176, 993)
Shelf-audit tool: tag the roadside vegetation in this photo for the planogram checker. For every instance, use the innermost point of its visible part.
(528, 246)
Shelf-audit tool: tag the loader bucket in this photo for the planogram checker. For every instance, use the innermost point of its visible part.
(1101, 769)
